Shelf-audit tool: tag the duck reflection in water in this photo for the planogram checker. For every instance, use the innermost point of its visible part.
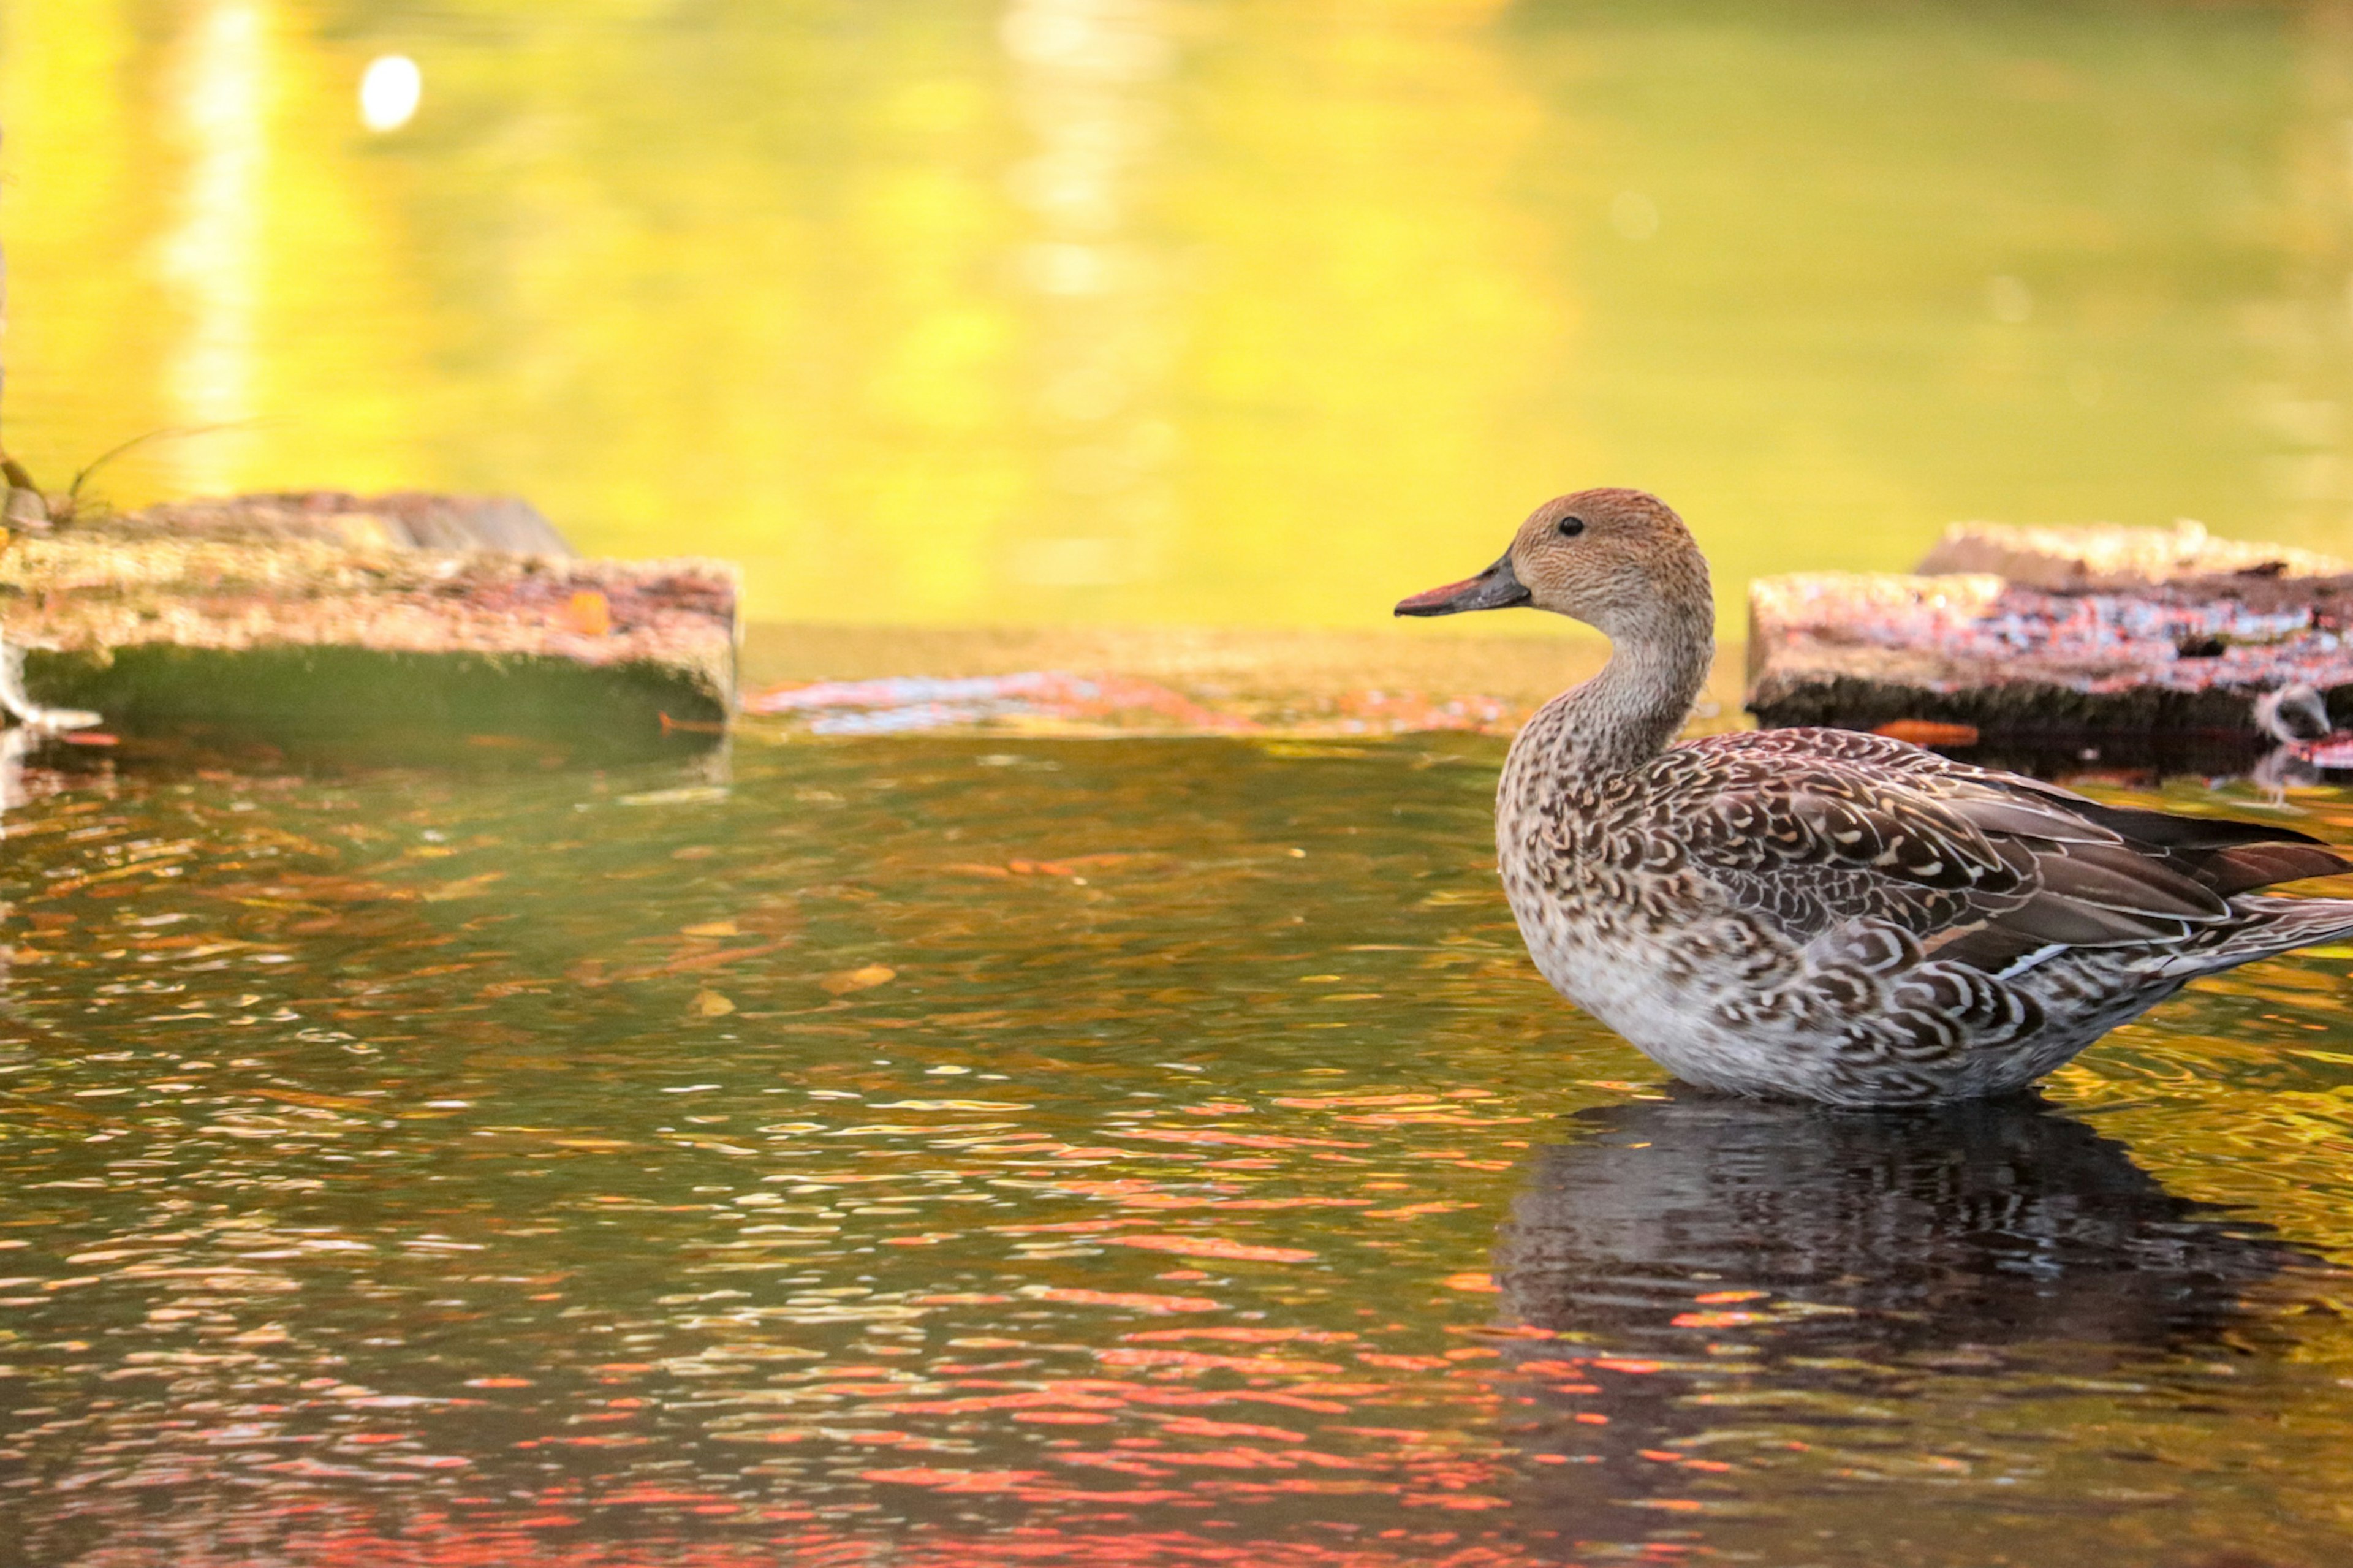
(1701, 1279)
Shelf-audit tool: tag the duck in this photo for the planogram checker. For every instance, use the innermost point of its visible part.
(1825, 914)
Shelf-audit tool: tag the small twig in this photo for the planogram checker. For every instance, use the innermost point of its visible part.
(73, 492)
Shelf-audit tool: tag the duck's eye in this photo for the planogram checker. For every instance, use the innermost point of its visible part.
(1570, 527)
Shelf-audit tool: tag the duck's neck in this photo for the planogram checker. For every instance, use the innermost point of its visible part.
(1621, 718)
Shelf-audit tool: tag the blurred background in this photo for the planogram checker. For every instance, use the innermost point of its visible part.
(1249, 313)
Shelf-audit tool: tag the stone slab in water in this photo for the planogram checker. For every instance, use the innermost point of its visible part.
(328, 619)
(2106, 555)
(1298, 684)
(2118, 647)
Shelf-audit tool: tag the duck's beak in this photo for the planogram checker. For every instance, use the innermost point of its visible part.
(1497, 588)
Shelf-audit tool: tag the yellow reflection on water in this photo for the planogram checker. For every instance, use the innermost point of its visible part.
(1192, 311)
(211, 258)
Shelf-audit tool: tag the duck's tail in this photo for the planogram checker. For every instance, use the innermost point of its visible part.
(2266, 927)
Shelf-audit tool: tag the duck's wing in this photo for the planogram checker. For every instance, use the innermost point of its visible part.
(2227, 856)
(1812, 830)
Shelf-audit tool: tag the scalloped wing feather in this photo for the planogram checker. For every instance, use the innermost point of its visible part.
(1812, 829)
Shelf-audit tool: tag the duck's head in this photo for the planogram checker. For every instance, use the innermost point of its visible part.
(1620, 561)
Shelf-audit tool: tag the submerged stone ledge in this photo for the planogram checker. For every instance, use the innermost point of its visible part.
(402, 622)
(2123, 641)
(1279, 685)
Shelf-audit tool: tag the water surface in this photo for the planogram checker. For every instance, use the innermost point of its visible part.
(960, 312)
(942, 1151)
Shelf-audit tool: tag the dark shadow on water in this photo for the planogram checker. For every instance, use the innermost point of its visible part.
(1982, 1224)
(1823, 1279)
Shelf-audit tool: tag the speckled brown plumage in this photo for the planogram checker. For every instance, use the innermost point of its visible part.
(1816, 913)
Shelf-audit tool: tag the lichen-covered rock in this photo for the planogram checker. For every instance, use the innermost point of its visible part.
(2109, 555)
(2188, 655)
(405, 520)
(313, 615)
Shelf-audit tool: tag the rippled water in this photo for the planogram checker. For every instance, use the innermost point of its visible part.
(947, 1151)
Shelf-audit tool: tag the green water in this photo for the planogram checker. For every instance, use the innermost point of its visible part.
(937, 1151)
(1193, 310)
(941, 1152)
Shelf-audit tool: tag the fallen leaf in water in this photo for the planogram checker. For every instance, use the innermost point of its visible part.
(1480, 1281)
(709, 1004)
(843, 981)
(710, 928)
